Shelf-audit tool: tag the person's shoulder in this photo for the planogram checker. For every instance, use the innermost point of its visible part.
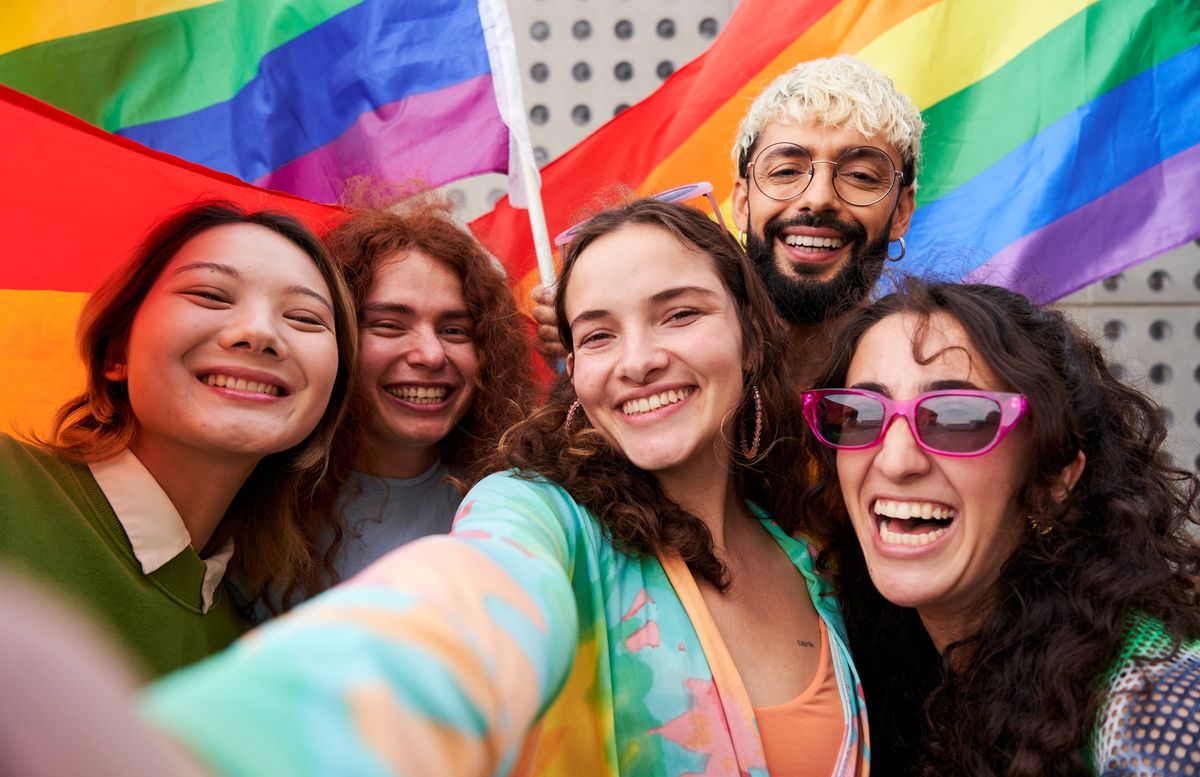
(1153, 694)
(18, 454)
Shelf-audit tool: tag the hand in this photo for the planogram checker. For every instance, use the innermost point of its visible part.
(547, 342)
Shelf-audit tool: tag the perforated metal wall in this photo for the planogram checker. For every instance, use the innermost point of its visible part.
(585, 60)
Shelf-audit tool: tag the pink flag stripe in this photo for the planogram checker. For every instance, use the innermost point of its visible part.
(1144, 217)
(409, 138)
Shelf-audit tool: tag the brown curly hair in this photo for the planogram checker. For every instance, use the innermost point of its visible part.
(1020, 696)
(381, 222)
(636, 514)
(272, 531)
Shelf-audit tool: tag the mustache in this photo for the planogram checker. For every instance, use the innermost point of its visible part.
(854, 232)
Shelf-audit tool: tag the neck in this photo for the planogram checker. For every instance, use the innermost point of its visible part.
(200, 486)
(714, 500)
(809, 345)
(946, 626)
(394, 461)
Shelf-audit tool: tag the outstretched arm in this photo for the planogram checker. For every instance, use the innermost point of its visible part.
(435, 660)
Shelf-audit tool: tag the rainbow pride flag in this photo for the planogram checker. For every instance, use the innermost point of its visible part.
(1063, 139)
(75, 203)
(295, 95)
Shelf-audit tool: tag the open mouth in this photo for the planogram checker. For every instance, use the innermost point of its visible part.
(653, 402)
(419, 395)
(808, 244)
(219, 380)
(911, 523)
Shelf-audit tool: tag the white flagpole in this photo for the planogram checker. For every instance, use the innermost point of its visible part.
(524, 182)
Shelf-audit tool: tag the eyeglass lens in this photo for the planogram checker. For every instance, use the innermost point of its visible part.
(861, 176)
(952, 424)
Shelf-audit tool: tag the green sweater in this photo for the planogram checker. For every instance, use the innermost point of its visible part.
(57, 527)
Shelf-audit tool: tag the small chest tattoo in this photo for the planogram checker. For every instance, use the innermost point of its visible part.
(805, 643)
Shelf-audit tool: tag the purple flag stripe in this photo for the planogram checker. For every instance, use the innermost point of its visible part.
(1144, 217)
(435, 137)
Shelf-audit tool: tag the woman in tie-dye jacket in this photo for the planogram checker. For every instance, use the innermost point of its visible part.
(629, 598)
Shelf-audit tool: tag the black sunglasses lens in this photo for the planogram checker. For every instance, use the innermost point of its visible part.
(958, 424)
(849, 420)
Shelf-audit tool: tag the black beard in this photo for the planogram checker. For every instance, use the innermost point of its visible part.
(803, 300)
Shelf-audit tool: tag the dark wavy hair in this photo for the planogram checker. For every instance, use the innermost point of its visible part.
(274, 536)
(1020, 695)
(635, 513)
(381, 222)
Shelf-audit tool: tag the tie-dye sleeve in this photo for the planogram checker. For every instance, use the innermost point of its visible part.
(435, 660)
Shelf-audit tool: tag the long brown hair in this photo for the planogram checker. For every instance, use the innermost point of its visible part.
(275, 540)
(382, 222)
(636, 514)
(1019, 696)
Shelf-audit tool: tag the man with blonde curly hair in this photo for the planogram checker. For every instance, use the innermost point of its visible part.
(826, 169)
(826, 166)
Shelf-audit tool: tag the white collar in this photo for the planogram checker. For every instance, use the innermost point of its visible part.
(151, 521)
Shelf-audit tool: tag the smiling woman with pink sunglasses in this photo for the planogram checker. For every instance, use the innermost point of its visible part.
(1013, 550)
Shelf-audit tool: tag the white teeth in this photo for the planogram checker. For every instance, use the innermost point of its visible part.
(905, 510)
(646, 404)
(241, 384)
(421, 395)
(808, 241)
(896, 538)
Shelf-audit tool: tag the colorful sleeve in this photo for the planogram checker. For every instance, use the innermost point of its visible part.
(435, 660)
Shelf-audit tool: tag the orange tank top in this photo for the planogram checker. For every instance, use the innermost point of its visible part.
(802, 737)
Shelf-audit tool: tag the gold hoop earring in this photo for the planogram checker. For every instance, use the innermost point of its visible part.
(1038, 527)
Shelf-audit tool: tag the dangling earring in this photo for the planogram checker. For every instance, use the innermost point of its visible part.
(570, 416)
(903, 251)
(1038, 527)
(752, 451)
(743, 239)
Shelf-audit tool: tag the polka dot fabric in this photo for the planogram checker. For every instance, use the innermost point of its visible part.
(1150, 724)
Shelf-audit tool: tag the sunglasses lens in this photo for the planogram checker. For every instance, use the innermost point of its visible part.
(958, 424)
(849, 420)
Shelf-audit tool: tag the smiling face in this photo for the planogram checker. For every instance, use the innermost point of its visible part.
(418, 364)
(816, 252)
(657, 362)
(946, 565)
(232, 352)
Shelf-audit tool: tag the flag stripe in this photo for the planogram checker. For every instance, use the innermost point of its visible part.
(1152, 213)
(398, 52)
(985, 35)
(1109, 141)
(407, 138)
(969, 131)
(129, 187)
(38, 367)
(162, 67)
(29, 22)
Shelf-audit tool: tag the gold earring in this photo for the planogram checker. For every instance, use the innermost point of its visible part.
(1039, 528)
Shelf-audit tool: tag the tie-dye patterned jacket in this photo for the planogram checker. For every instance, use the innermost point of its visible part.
(524, 643)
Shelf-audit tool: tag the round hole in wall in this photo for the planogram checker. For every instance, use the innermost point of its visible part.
(1159, 280)
(1114, 330)
(1160, 330)
(623, 71)
(581, 114)
(665, 28)
(581, 71)
(582, 29)
(539, 72)
(1160, 374)
(620, 107)
(1113, 282)
(539, 114)
(709, 27)
(1118, 370)
(539, 30)
(540, 156)
(1168, 418)
(664, 69)
(623, 29)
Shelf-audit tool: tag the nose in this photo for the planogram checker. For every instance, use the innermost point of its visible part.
(641, 358)
(820, 196)
(425, 349)
(899, 457)
(254, 328)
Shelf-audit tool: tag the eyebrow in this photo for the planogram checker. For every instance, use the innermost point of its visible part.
(399, 309)
(936, 385)
(666, 295)
(233, 272)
